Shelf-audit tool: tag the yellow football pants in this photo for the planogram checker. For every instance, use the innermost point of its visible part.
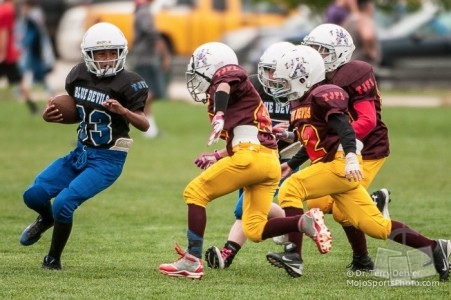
(252, 167)
(370, 169)
(350, 198)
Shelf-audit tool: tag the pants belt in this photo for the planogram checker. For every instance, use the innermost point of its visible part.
(254, 147)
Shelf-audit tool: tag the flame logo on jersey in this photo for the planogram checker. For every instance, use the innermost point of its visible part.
(341, 37)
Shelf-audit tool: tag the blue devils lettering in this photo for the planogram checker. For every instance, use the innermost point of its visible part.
(85, 94)
(80, 92)
(277, 108)
(96, 97)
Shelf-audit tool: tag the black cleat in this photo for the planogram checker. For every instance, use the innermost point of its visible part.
(51, 263)
(441, 258)
(219, 259)
(34, 231)
(381, 198)
(289, 260)
(361, 263)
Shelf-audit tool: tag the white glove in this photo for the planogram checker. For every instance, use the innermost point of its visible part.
(352, 169)
(218, 125)
(286, 136)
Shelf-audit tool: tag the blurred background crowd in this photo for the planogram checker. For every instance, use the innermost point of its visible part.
(407, 41)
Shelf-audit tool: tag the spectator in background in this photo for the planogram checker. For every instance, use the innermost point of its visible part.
(38, 57)
(54, 10)
(151, 59)
(338, 11)
(10, 54)
(363, 30)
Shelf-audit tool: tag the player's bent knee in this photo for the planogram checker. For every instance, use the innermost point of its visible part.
(63, 210)
(341, 219)
(253, 234)
(191, 196)
(377, 232)
(35, 197)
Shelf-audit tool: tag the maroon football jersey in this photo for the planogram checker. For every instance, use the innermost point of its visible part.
(357, 79)
(310, 117)
(245, 107)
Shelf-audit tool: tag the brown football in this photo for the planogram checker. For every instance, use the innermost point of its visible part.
(66, 105)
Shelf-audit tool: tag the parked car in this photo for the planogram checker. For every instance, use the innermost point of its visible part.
(183, 24)
(416, 48)
(417, 37)
(250, 43)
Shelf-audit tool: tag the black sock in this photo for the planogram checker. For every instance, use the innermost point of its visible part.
(61, 233)
(232, 246)
(47, 214)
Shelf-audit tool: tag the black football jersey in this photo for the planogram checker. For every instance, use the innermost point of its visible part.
(98, 126)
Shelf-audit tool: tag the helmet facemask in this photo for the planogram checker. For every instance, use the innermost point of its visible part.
(196, 84)
(105, 68)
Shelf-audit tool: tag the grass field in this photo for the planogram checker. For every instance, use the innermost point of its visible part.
(121, 236)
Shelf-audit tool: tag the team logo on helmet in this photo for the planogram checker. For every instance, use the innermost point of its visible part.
(201, 58)
(341, 38)
(299, 68)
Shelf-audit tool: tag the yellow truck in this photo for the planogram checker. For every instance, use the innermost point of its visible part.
(185, 25)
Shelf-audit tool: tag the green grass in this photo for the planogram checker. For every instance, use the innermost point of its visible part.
(121, 236)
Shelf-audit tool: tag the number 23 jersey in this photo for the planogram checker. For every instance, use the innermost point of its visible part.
(99, 127)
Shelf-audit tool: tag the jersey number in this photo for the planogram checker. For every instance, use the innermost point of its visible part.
(262, 118)
(311, 140)
(98, 128)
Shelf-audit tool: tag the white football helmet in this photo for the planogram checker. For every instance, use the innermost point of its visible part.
(333, 42)
(104, 36)
(297, 70)
(267, 63)
(204, 63)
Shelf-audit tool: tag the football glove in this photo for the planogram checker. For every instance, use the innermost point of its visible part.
(352, 169)
(218, 125)
(286, 136)
(282, 133)
(205, 160)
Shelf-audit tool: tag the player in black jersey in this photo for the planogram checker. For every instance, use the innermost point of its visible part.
(108, 99)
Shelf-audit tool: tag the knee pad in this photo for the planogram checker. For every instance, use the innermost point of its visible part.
(35, 197)
(254, 231)
(63, 211)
